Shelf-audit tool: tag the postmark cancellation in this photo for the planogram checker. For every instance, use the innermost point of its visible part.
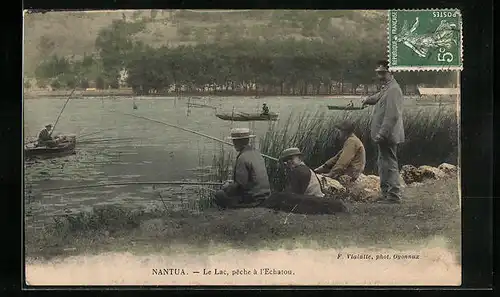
(425, 40)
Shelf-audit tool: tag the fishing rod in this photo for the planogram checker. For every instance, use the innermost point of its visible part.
(102, 130)
(95, 140)
(137, 183)
(188, 130)
(60, 113)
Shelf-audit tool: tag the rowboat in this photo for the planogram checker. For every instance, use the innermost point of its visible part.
(247, 117)
(197, 105)
(65, 147)
(336, 107)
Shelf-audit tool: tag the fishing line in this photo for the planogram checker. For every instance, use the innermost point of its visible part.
(188, 130)
(136, 183)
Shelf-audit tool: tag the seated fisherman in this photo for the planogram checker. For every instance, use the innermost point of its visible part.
(265, 109)
(250, 185)
(301, 179)
(304, 193)
(44, 137)
(350, 161)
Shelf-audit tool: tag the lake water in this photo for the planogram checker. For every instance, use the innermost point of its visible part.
(156, 152)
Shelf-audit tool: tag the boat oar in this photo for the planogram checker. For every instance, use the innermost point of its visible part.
(191, 131)
(243, 113)
(136, 183)
(337, 107)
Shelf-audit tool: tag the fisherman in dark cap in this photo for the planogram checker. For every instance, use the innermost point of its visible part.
(350, 162)
(301, 179)
(265, 109)
(303, 193)
(45, 138)
(387, 132)
(250, 185)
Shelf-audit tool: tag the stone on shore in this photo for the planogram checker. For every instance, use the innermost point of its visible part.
(411, 174)
(332, 186)
(448, 168)
(365, 188)
(429, 172)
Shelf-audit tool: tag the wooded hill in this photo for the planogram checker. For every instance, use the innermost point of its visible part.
(73, 34)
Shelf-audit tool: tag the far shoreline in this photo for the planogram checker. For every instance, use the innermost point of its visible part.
(187, 96)
(127, 92)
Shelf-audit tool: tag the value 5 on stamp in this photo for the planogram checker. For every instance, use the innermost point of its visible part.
(425, 40)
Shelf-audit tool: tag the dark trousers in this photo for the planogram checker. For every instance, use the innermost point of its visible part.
(304, 204)
(388, 170)
(237, 200)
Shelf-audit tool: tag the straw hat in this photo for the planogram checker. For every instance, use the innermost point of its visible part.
(240, 133)
(289, 152)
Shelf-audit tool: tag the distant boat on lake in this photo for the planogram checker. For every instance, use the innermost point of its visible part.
(247, 117)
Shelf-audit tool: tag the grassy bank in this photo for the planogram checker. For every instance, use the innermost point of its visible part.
(431, 139)
(428, 212)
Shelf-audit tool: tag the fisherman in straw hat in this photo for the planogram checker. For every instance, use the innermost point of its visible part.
(350, 162)
(301, 179)
(387, 132)
(250, 185)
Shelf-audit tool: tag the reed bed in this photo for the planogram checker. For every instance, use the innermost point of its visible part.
(431, 139)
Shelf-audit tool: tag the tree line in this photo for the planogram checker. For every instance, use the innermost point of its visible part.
(273, 68)
(280, 67)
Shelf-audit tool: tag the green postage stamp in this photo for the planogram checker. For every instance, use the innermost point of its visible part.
(425, 40)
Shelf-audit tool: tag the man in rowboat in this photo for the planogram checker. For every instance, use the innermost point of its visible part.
(44, 137)
(301, 179)
(349, 163)
(250, 185)
(265, 109)
(387, 132)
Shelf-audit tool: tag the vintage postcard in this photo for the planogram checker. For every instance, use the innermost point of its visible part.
(242, 147)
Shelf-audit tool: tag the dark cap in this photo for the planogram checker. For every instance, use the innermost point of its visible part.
(382, 66)
(290, 152)
(345, 126)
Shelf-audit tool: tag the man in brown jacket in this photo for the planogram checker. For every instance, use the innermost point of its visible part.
(387, 132)
(250, 185)
(350, 162)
